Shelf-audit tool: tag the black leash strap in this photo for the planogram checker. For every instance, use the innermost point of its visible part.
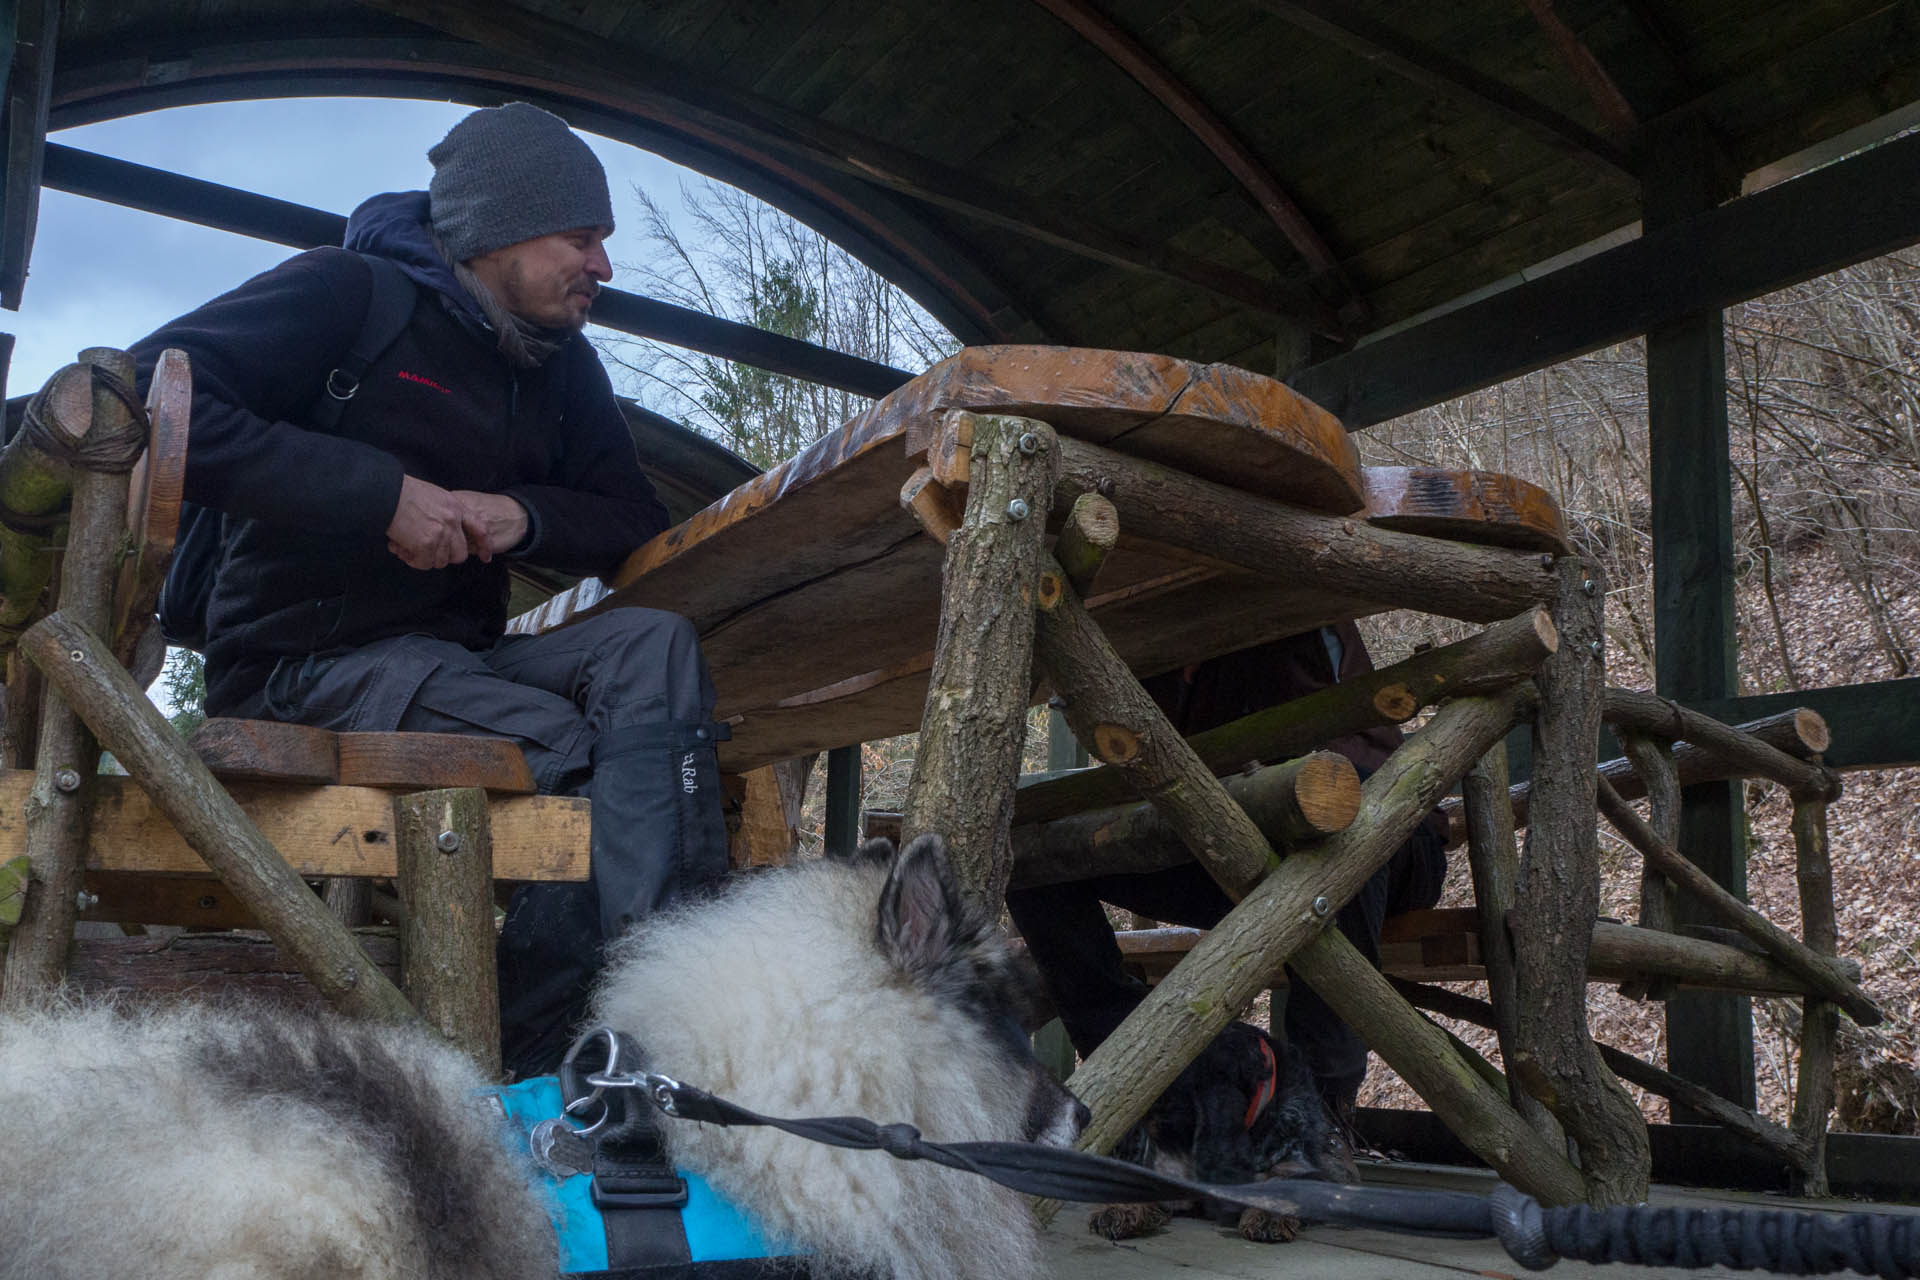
(1786, 1242)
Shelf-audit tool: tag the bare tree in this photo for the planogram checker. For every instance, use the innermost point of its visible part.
(735, 256)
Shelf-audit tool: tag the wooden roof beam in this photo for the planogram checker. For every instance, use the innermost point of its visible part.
(209, 204)
(1452, 79)
(1601, 90)
(893, 240)
(653, 89)
(1842, 213)
(28, 89)
(1218, 137)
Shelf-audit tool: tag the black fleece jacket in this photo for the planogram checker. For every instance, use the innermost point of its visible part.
(307, 569)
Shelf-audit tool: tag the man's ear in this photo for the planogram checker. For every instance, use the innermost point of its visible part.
(921, 909)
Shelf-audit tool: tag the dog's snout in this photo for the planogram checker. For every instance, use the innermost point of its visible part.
(1055, 1118)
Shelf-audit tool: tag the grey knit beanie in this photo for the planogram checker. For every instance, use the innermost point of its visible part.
(512, 173)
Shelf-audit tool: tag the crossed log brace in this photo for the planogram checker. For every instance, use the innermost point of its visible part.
(986, 491)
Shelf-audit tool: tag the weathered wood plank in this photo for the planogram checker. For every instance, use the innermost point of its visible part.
(319, 831)
(268, 751)
(404, 761)
(1476, 506)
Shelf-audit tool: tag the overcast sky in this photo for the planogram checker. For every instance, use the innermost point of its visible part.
(104, 276)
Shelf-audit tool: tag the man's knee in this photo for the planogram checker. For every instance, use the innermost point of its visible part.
(649, 657)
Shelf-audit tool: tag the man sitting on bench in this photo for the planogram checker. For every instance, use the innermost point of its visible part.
(1067, 931)
(384, 426)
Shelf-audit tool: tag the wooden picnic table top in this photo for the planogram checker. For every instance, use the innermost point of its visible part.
(817, 596)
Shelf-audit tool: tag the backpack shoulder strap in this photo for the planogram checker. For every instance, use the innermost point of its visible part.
(389, 309)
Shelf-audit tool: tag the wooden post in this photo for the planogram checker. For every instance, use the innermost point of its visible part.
(67, 759)
(1489, 660)
(1556, 899)
(1238, 957)
(81, 667)
(1653, 764)
(35, 489)
(974, 726)
(445, 851)
(1291, 804)
(1819, 1022)
(1709, 1037)
(1496, 866)
(23, 694)
(1470, 1105)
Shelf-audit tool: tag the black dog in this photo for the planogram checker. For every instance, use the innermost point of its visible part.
(1244, 1110)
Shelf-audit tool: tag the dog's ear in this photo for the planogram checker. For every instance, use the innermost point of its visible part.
(878, 851)
(921, 913)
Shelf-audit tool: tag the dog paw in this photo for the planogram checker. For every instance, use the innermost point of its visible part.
(1125, 1221)
(1262, 1227)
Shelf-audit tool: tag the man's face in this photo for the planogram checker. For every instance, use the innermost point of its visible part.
(549, 281)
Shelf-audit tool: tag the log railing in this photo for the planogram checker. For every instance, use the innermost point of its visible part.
(1156, 800)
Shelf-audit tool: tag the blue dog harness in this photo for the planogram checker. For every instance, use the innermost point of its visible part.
(720, 1240)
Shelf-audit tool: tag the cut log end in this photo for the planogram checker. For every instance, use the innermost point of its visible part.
(931, 504)
(1115, 744)
(1544, 628)
(1396, 702)
(1811, 728)
(1328, 792)
(1047, 594)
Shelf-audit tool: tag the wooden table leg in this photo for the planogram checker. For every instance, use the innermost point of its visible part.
(445, 849)
(1556, 899)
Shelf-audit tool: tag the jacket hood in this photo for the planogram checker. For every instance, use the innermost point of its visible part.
(395, 226)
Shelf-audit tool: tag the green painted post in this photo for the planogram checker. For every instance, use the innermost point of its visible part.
(843, 800)
(1709, 1037)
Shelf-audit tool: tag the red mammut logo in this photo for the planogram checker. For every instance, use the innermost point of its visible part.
(425, 382)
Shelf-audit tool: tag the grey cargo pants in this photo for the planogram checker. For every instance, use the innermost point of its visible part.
(617, 707)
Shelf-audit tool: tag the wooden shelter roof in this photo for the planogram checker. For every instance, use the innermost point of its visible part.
(1215, 179)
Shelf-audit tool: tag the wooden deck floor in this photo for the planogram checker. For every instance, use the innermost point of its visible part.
(1197, 1250)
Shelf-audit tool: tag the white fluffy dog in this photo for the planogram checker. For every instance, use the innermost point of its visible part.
(205, 1142)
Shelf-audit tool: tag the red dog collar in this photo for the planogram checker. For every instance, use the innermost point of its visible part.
(1264, 1094)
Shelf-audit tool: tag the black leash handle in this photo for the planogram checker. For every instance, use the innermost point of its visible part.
(1786, 1242)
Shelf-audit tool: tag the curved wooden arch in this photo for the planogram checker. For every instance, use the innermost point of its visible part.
(869, 224)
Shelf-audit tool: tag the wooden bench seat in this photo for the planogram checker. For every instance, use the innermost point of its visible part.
(325, 802)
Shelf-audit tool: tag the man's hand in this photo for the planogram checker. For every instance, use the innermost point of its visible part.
(429, 529)
(494, 522)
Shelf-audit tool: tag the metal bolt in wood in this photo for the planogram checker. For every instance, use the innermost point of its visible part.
(447, 842)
